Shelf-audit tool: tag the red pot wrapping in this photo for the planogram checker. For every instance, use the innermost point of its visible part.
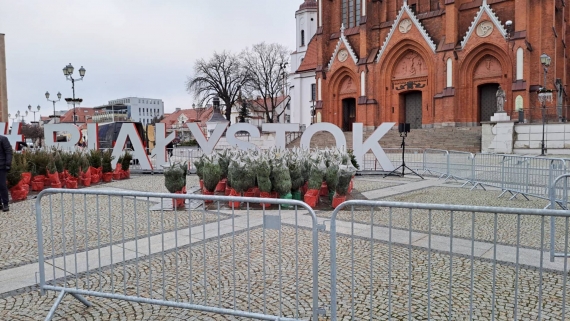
(47, 182)
(126, 174)
(107, 177)
(351, 185)
(118, 168)
(56, 185)
(85, 181)
(37, 185)
(228, 190)
(95, 178)
(38, 178)
(27, 178)
(117, 176)
(274, 195)
(234, 204)
(71, 182)
(201, 184)
(53, 178)
(265, 195)
(337, 200)
(249, 193)
(18, 192)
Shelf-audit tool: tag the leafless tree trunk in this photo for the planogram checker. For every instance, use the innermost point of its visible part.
(221, 76)
(265, 65)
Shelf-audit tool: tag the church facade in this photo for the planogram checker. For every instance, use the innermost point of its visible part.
(434, 63)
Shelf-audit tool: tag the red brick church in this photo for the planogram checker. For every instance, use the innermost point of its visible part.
(434, 63)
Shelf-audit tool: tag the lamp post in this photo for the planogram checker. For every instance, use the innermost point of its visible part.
(33, 111)
(12, 118)
(68, 72)
(54, 101)
(18, 114)
(545, 61)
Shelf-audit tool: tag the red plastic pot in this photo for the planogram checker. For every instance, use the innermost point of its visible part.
(117, 176)
(249, 193)
(95, 178)
(324, 189)
(234, 204)
(126, 174)
(337, 200)
(18, 193)
(107, 177)
(221, 187)
(265, 195)
(311, 197)
(206, 192)
(228, 190)
(178, 202)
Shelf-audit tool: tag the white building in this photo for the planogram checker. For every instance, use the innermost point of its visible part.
(303, 71)
(141, 109)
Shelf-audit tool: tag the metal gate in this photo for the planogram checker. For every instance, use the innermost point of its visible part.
(246, 260)
(414, 109)
(487, 101)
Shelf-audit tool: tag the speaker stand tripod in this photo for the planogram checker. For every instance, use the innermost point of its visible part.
(403, 166)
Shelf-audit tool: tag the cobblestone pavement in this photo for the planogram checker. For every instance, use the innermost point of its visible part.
(247, 284)
(236, 270)
(18, 240)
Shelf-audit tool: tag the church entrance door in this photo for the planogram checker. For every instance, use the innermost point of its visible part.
(413, 109)
(348, 113)
(487, 101)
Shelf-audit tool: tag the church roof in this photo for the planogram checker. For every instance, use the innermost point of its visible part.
(309, 4)
(310, 60)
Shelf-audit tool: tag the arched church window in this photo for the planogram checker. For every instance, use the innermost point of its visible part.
(302, 37)
(520, 63)
(351, 13)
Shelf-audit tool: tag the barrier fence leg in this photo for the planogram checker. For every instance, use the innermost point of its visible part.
(60, 298)
(55, 305)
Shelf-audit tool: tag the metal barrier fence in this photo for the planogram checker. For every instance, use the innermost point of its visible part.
(255, 262)
(396, 261)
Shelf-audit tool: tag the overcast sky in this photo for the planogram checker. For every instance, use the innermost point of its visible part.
(136, 48)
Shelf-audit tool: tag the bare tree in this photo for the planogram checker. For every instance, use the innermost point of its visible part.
(265, 65)
(33, 132)
(221, 76)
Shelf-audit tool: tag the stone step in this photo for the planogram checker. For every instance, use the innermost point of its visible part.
(448, 138)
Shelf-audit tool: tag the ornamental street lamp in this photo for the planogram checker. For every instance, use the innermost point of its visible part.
(543, 96)
(53, 101)
(68, 72)
(33, 111)
(12, 118)
(24, 114)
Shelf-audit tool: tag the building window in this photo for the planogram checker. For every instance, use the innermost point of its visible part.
(313, 92)
(302, 37)
(413, 8)
(350, 13)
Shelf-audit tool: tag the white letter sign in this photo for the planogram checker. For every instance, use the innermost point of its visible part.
(128, 130)
(371, 143)
(325, 127)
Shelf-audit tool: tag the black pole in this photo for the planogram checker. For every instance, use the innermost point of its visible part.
(403, 153)
(73, 88)
(543, 129)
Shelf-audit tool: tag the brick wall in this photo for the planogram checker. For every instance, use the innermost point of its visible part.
(458, 105)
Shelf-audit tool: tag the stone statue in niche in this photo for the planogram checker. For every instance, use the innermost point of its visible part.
(501, 100)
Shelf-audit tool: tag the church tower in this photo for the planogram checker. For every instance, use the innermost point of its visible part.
(302, 77)
(3, 88)
(306, 25)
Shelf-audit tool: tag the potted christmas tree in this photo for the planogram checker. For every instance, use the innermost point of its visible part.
(212, 175)
(314, 184)
(107, 158)
(345, 174)
(53, 174)
(282, 180)
(175, 182)
(95, 165)
(85, 174)
(16, 186)
(74, 170)
(125, 164)
(263, 171)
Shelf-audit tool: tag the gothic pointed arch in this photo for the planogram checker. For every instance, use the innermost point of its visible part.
(343, 84)
(478, 24)
(484, 65)
(399, 24)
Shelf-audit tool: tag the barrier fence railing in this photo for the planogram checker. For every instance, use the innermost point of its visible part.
(380, 260)
(396, 261)
(558, 199)
(244, 260)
